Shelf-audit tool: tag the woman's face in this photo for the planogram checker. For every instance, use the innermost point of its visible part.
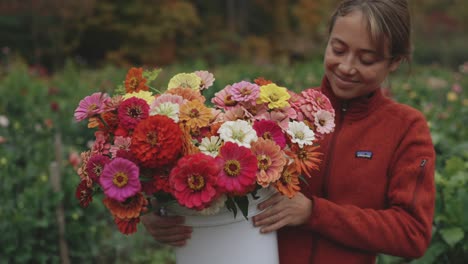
(352, 64)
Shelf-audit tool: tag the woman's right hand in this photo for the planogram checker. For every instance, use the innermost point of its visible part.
(167, 229)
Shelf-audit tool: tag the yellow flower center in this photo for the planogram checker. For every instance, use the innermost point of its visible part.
(302, 155)
(286, 178)
(152, 138)
(232, 168)
(322, 122)
(97, 170)
(300, 135)
(92, 107)
(267, 135)
(274, 97)
(264, 162)
(245, 91)
(228, 101)
(133, 83)
(196, 182)
(120, 179)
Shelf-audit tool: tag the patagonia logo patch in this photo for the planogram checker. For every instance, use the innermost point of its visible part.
(364, 154)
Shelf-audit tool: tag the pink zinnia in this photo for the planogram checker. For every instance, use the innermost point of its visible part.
(91, 106)
(223, 99)
(280, 116)
(238, 169)
(119, 180)
(271, 161)
(120, 143)
(207, 79)
(168, 98)
(245, 92)
(269, 129)
(101, 144)
(312, 101)
(95, 166)
(193, 181)
(132, 111)
(324, 121)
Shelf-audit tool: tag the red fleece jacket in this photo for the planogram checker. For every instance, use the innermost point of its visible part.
(374, 192)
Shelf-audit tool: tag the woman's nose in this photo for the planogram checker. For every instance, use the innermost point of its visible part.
(347, 66)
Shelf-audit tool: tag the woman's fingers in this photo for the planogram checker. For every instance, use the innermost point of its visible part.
(167, 229)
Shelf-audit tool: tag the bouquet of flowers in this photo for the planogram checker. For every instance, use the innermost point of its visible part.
(175, 145)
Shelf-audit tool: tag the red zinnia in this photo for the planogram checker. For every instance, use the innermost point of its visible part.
(84, 194)
(134, 81)
(95, 166)
(193, 181)
(239, 168)
(156, 141)
(127, 226)
(132, 111)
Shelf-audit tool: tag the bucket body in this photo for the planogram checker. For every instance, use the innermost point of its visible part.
(223, 239)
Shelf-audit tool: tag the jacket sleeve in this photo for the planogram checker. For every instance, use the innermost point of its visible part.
(404, 228)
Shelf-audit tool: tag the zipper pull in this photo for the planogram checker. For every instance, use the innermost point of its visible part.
(423, 163)
(344, 107)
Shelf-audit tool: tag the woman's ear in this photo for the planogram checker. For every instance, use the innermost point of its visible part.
(395, 63)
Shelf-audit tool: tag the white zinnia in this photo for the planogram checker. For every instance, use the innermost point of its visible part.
(170, 110)
(300, 133)
(210, 146)
(324, 121)
(239, 131)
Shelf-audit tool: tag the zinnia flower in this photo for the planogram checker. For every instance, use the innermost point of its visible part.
(207, 79)
(300, 133)
(156, 141)
(90, 106)
(268, 129)
(120, 143)
(145, 95)
(239, 131)
(185, 80)
(84, 194)
(95, 166)
(131, 208)
(132, 111)
(306, 159)
(187, 93)
(271, 161)
(245, 92)
(324, 121)
(210, 145)
(195, 114)
(127, 226)
(313, 100)
(193, 181)
(223, 99)
(260, 81)
(134, 81)
(119, 180)
(274, 95)
(168, 109)
(238, 169)
(288, 184)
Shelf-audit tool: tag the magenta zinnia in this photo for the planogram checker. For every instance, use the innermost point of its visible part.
(238, 169)
(270, 160)
(193, 181)
(269, 129)
(132, 111)
(119, 180)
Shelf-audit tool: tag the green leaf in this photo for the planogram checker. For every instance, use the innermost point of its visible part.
(453, 165)
(151, 75)
(452, 235)
(432, 253)
(231, 206)
(243, 203)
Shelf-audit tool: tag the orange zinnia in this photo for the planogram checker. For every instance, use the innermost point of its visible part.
(188, 147)
(288, 184)
(306, 158)
(188, 94)
(131, 208)
(134, 81)
(195, 114)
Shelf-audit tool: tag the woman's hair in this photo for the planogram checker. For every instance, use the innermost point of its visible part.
(386, 20)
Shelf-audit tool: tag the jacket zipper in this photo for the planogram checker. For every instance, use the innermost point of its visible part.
(422, 170)
(344, 108)
(331, 150)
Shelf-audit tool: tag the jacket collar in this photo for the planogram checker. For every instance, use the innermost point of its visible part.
(357, 108)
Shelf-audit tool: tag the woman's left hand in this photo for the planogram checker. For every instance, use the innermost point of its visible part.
(283, 211)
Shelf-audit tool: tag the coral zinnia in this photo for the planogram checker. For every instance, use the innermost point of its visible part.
(271, 161)
(131, 208)
(132, 111)
(193, 181)
(187, 93)
(156, 141)
(239, 168)
(127, 226)
(195, 114)
(288, 184)
(269, 129)
(119, 180)
(134, 81)
(306, 158)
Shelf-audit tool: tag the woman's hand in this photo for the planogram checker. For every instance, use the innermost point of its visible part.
(167, 229)
(282, 211)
